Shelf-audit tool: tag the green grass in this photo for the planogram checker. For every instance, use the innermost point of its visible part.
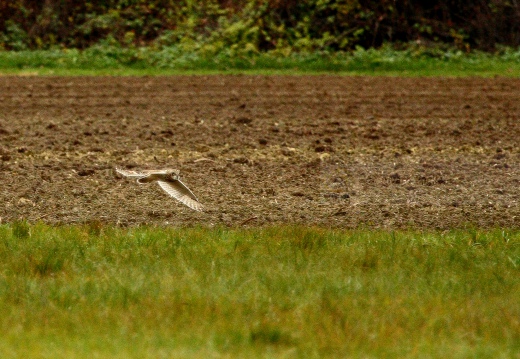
(107, 60)
(95, 291)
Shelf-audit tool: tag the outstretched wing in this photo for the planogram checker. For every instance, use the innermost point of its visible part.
(131, 174)
(180, 192)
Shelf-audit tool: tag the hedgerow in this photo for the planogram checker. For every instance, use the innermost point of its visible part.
(250, 26)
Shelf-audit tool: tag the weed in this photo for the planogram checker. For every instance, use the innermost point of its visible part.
(21, 230)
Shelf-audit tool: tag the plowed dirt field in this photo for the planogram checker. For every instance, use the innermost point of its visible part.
(326, 150)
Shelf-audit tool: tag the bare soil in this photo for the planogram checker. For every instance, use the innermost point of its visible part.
(323, 150)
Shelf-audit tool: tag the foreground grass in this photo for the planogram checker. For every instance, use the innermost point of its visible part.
(106, 60)
(94, 292)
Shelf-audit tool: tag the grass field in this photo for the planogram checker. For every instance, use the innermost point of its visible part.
(95, 291)
(106, 60)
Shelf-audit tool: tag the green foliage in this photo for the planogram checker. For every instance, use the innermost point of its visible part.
(14, 37)
(288, 290)
(414, 60)
(21, 230)
(249, 26)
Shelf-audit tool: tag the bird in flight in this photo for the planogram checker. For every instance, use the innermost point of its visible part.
(169, 180)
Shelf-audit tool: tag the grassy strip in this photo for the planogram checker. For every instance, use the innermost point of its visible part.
(78, 291)
(147, 61)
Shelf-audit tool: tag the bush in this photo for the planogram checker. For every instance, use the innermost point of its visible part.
(249, 26)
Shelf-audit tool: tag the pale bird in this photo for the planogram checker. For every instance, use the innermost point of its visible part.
(169, 180)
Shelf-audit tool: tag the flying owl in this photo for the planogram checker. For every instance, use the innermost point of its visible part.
(169, 180)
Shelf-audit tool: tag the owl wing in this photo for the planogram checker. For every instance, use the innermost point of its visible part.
(131, 174)
(141, 173)
(180, 192)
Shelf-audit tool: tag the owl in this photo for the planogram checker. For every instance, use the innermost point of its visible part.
(169, 180)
